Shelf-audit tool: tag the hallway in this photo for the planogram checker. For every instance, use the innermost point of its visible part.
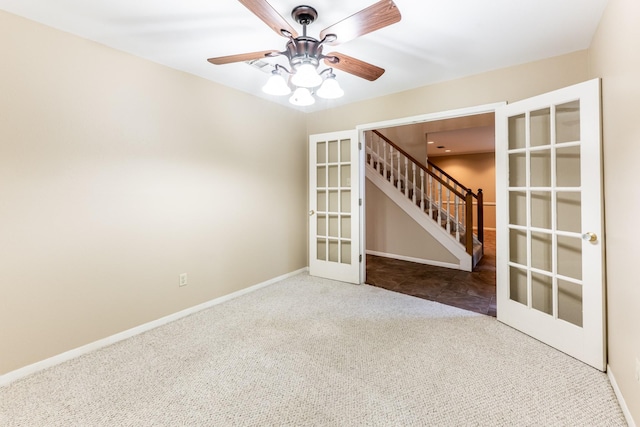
(474, 291)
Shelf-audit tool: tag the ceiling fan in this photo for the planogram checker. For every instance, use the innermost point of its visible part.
(304, 53)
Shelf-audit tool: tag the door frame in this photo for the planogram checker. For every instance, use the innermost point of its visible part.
(422, 118)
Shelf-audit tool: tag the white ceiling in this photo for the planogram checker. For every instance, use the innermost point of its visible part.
(434, 41)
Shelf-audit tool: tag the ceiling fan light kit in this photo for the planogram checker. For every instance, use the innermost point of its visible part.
(304, 53)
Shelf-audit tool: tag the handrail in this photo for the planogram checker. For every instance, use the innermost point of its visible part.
(417, 163)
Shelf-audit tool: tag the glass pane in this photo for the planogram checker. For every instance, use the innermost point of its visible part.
(345, 254)
(541, 209)
(333, 201)
(570, 302)
(345, 223)
(570, 257)
(542, 293)
(568, 122)
(518, 208)
(333, 226)
(541, 168)
(345, 176)
(569, 211)
(322, 177)
(321, 250)
(517, 170)
(322, 201)
(333, 176)
(345, 150)
(518, 285)
(322, 225)
(518, 246)
(540, 127)
(541, 252)
(333, 251)
(333, 151)
(517, 128)
(345, 201)
(568, 166)
(321, 155)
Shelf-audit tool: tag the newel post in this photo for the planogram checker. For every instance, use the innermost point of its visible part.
(480, 216)
(468, 235)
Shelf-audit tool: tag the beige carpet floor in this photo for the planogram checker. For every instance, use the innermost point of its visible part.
(313, 352)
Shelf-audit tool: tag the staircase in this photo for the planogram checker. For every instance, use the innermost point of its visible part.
(434, 199)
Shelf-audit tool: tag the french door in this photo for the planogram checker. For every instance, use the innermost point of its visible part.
(550, 247)
(334, 208)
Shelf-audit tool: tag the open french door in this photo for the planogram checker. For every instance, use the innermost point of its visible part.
(334, 208)
(550, 247)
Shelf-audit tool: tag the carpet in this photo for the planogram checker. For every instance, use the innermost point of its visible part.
(312, 352)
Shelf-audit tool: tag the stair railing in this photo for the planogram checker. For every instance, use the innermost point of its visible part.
(437, 194)
(478, 197)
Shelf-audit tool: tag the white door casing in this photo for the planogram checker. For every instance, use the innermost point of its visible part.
(334, 208)
(550, 238)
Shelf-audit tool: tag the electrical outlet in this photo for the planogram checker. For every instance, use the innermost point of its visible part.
(638, 369)
(183, 279)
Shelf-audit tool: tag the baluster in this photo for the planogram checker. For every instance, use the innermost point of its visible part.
(377, 155)
(430, 195)
(413, 181)
(384, 158)
(399, 172)
(406, 177)
(440, 202)
(456, 198)
(422, 193)
(390, 177)
(448, 210)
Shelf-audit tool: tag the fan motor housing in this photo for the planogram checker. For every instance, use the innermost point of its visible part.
(304, 49)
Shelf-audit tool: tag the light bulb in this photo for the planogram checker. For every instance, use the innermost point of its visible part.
(276, 85)
(306, 76)
(302, 97)
(330, 89)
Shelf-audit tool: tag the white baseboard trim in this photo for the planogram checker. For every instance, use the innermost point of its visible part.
(621, 401)
(20, 373)
(417, 260)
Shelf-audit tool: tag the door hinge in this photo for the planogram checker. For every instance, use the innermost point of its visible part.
(359, 145)
(360, 202)
(360, 257)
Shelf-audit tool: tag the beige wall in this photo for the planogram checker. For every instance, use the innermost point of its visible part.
(474, 171)
(615, 56)
(118, 174)
(391, 231)
(508, 84)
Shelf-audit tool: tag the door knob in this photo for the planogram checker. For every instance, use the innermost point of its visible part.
(590, 237)
(311, 212)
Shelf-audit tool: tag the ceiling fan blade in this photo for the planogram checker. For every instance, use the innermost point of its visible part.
(240, 58)
(269, 16)
(372, 18)
(354, 66)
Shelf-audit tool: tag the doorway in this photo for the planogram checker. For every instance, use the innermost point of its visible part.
(462, 143)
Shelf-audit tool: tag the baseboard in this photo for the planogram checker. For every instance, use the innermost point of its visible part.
(20, 373)
(417, 260)
(621, 401)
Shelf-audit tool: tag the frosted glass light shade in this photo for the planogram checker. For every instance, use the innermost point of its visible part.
(306, 76)
(330, 89)
(276, 85)
(302, 97)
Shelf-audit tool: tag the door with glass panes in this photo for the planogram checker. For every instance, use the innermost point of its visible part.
(550, 247)
(334, 211)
